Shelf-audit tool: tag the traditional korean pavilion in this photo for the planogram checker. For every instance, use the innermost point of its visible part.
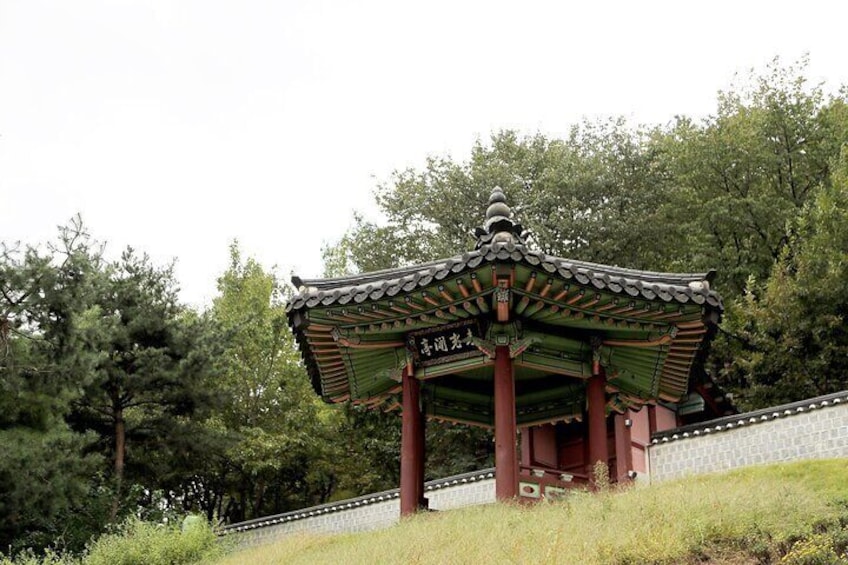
(585, 360)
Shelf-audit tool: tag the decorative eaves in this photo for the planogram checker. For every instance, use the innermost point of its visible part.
(669, 287)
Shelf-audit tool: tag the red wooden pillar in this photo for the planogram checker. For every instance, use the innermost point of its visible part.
(411, 446)
(506, 456)
(597, 424)
(623, 448)
(420, 450)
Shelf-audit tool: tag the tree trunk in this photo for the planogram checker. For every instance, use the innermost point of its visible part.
(120, 450)
(260, 496)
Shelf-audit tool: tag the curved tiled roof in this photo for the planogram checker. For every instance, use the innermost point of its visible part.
(677, 287)
(353, 331)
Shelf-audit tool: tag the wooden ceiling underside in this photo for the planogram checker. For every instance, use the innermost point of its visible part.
(359, 349)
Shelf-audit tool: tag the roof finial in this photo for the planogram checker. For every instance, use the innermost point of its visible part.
(497, 205)
(499, 226)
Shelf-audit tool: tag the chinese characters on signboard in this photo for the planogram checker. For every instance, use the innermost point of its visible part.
(445, 343)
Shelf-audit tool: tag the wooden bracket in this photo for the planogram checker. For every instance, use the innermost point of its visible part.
(517, 347)
(595, 342)
(486, 346)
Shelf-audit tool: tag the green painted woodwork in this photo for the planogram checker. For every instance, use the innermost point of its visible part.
(549, 372)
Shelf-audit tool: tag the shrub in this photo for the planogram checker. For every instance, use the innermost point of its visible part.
(144, 543)
(29, 557)
(819, 549)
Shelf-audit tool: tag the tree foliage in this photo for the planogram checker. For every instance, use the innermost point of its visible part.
(147, 372)
(591, 196)
(270, 440)
(742, 175)
(46, 473)
(100, 364)
(794, 338)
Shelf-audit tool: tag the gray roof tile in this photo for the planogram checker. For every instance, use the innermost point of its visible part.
(679, 287)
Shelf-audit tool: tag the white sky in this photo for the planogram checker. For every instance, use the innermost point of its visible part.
(176, 126)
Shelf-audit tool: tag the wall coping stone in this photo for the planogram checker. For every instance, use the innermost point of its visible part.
(726, 423)
(347, 504)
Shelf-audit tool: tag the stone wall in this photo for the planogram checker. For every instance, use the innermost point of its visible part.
(449, 494)
(812, 429)
(816, 428)
(363, 513)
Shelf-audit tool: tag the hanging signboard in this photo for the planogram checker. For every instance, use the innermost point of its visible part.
(443, 344)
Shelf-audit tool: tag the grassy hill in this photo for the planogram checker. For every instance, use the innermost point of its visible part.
(794, 514)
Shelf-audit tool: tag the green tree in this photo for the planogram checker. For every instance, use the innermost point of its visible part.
(46, 498)
(145, 379)
(793, 341)
(594, 196)
(366, 450)
(47, 492)
(271, 414)
(43, 308)
(366, 455)
(742, 175)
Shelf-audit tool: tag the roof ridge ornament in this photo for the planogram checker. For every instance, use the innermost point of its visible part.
(499, 226)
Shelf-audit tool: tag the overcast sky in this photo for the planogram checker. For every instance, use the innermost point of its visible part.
(176, 126)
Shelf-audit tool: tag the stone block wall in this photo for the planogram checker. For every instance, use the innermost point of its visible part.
(812, 429)
(462, 494)
(355, 519)
(816, 428)
(370, 512)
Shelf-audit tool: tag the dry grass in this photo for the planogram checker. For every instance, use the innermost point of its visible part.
(749, 516)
